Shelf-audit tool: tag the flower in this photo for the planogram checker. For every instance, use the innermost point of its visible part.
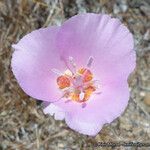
(79, 69)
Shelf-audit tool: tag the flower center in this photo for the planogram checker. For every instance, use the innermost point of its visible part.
(76, 85)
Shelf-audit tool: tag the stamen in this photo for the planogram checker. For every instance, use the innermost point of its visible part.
(68, 90)
(98, 92)
(81, 96)
(68, 73)
(96, 84)
(56, 71)
(86, 74)
(66, 64)
(67, 101)
(83, 105)
(89, 63)
(72, 62)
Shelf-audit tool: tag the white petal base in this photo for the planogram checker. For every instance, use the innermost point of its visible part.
(58, 113)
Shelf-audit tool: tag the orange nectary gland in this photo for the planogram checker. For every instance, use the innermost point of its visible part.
(64, 81)
(87, 75)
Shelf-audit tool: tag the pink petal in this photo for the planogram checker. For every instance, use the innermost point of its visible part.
(58, 113)
(105, 38)
(83, 127)
(100, 109)
(34, 57)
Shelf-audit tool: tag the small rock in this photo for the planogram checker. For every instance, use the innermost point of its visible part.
(147, 99)
(145, 10)
(116, 9)
(147, 35)
(123, 6)
(142, 93)
(60, 145)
